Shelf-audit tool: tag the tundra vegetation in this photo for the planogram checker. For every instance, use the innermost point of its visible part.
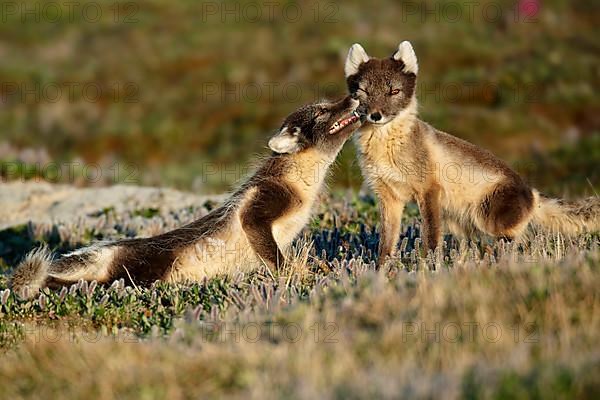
(186, 100)
(479, 319)
(204, 95)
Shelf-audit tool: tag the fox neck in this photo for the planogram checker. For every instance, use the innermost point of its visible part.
(308, 169)
(400, 126)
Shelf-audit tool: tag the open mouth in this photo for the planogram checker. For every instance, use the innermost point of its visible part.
(344, 122)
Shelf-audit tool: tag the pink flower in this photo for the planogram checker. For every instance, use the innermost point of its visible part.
(528, 8)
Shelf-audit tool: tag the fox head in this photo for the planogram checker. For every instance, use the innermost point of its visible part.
(384, 87)
(324, 126)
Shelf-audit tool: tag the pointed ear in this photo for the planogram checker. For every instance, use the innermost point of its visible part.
(407, 55)
(356, 56)
(285, 141)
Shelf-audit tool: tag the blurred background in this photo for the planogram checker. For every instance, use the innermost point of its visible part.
(185, 94)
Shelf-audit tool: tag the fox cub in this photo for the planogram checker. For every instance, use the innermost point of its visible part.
(403, 158)
(254, 226)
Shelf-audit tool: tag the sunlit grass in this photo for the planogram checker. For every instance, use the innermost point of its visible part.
(484, 320)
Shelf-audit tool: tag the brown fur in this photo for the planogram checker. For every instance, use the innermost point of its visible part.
(271, 201)
(429, 204)
(254, 226)
(403, 158)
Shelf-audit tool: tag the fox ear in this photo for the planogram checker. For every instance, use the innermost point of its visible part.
(285, 141)
(356, 56)
(407, 55)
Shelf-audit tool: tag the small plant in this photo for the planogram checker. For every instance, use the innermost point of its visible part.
(146, 212)
(328, 310)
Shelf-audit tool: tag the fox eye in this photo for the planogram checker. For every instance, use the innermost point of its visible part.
(394, 92)
(320, 111)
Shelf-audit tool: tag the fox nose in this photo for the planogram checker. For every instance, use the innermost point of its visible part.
(375, 116)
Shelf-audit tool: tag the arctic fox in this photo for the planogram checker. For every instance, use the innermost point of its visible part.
(403, 158)
(254, 226)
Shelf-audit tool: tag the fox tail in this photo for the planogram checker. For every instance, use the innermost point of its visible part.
(30, 275)
(568, 218)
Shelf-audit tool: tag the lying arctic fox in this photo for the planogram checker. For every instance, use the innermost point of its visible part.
(254, 226)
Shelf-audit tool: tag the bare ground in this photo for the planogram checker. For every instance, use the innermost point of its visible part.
(42, 202)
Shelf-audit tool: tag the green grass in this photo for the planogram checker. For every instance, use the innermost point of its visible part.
(480, 320)
(364, 333)
(511, 87)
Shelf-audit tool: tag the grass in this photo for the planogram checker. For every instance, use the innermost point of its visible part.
(479, 320)
(510, 86)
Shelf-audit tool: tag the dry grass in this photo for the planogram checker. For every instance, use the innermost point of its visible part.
(484, 320)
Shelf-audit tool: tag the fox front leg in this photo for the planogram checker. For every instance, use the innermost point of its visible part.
(270, 202)
(263, 243)
(429, 207)
(391, 208)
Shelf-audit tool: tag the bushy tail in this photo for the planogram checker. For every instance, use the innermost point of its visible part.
(39, 269)
(568, 218)
(31, 274)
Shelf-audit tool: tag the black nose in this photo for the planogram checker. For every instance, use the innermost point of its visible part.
(375, 116)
